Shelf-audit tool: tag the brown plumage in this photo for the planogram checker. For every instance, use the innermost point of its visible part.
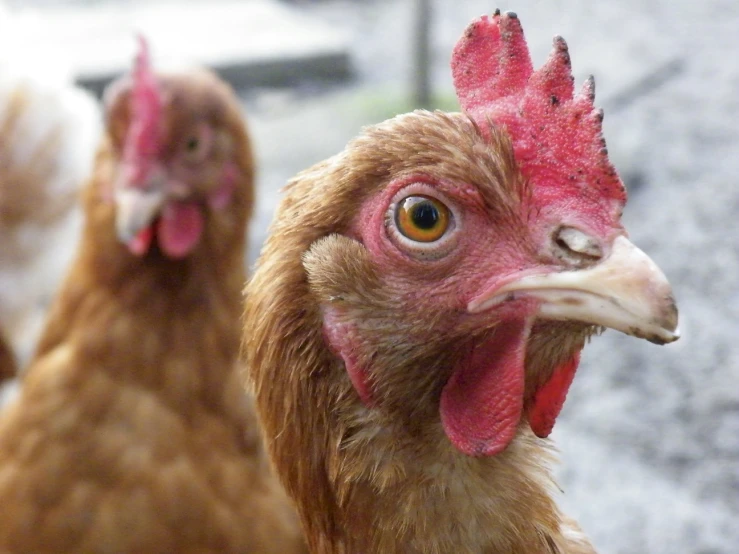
(132, 432)
(406, 378)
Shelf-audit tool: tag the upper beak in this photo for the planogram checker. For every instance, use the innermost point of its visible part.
(137, 206)
(625, 291)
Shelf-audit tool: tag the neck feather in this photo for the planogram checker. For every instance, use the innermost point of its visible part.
(343, 462)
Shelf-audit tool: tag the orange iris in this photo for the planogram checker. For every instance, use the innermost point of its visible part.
(422, 218)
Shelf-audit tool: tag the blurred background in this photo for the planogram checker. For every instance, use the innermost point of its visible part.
(649, 436)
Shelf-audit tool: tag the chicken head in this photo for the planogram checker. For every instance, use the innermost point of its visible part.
(421, 303)
(482, 250)
(176, 171)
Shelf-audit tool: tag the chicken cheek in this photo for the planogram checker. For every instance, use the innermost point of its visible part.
(221, 197)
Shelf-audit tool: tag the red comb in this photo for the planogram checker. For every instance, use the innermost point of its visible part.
(143, 139)
(557, 138)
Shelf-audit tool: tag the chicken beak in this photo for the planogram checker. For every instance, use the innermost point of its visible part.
(137, 206)
(625, 291)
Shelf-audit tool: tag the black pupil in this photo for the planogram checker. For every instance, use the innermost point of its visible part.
(192, 144)
(425, 215)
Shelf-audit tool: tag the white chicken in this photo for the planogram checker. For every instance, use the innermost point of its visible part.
(49, 130)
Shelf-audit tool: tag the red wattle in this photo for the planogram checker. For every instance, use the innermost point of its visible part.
(550, 398)
(482, 403)
(180, 228)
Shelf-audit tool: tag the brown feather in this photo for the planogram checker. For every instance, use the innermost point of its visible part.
(24, 196)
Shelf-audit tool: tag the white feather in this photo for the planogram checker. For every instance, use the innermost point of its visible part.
(51, 102)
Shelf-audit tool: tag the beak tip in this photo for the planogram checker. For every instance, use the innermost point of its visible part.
(665, 335)
(669, 322)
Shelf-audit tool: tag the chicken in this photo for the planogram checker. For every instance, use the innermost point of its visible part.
(132, 432)
(418, 311)
(48, 133)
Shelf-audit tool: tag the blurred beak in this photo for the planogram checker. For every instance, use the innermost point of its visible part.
(137, 206)
(625, 291)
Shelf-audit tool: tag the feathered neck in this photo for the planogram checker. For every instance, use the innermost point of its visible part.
(366, 484)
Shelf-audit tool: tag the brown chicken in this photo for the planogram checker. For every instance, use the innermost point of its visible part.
(418, 311)
(132, 433)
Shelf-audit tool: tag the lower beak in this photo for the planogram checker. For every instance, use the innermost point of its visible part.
(137, 206)
(626, 291)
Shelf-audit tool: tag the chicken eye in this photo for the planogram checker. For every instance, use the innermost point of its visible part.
(197, 145)
(422, 219)
(192, 144)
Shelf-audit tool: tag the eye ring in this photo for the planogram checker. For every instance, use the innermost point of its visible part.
(440, 236)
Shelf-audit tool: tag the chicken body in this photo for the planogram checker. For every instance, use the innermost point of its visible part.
(49, 130)
(419, 308)
(132, 432)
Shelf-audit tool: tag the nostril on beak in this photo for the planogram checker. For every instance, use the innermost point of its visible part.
(576, 247)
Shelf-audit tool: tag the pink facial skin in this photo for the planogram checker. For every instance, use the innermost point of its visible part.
(483, 401)
(477, 252)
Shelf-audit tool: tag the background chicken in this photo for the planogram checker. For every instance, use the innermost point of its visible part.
(418, 311)
(48, 133)
(132, 433)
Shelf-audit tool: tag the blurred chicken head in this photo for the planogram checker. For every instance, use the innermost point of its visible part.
(178, 140)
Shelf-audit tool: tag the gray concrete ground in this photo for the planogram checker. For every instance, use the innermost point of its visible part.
(649, 435)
